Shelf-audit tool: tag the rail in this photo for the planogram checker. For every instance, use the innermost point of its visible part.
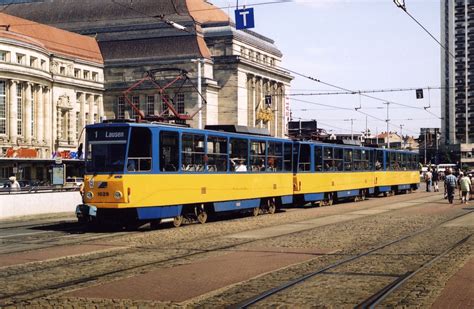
(38, 189)
(374, 299)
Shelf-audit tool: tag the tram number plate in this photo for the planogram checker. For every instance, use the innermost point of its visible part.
(103, 194)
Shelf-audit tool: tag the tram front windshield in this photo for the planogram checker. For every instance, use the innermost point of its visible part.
(108, 158)
(106, 150)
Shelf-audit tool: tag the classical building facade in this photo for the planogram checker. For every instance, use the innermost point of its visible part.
(457, 83)
(241, 80)
(51, 84)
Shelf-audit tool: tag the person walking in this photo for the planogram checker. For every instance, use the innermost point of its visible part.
(450, 182)
(460, 175)
(428, 179)
(435, 180)
(15, 186)
(465, 185)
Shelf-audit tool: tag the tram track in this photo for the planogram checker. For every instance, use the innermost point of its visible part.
(44, 290)
(377, 297)
(44, 239)
(386, 291)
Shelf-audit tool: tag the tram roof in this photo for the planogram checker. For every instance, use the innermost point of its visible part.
(186, 129)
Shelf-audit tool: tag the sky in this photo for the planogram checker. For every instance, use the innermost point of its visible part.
(357, 45)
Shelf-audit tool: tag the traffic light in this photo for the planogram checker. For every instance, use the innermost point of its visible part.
(419, 93)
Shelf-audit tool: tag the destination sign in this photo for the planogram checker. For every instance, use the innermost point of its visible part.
(107, 134)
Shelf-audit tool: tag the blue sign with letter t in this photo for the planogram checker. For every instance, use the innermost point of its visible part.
(244, 19)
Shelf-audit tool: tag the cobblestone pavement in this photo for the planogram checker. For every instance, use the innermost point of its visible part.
(350, 228)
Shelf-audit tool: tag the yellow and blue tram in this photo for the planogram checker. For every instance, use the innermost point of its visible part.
(144, 172)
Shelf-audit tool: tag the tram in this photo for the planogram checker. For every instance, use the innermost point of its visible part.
(145, 172)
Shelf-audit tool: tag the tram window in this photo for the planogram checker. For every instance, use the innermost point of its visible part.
(379, 160)
(393, 161)
(139, 151)
(403, 165)
(192, 153)
(217, 154)
(398, 161)
(304, 162)
(329, 165)
(348, 159)
(275, 160)
(257, 156)
(361, 160)
(318, 158)
(370, 156)
(169, 151)
(288, 156)
(339, 158)
(238, 154)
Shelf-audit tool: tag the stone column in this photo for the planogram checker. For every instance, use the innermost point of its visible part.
(275, 98)
(39, 116)
(90, 101)
(260, 96)
(27, 121)
(13, 112)
(100, 107)
(54, 122)
(82, 110)
(71, 127)
(49, 119)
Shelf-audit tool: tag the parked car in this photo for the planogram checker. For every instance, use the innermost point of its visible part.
(74, 181)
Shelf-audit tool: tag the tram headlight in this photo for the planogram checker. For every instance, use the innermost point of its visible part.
(118, 195)
(89, 195)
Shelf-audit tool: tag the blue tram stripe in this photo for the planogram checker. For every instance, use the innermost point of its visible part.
(311, 197)
(159, 212)
(236, 205)
(288, 199)
(347, 193)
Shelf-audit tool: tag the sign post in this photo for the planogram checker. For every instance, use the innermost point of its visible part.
(59, 173)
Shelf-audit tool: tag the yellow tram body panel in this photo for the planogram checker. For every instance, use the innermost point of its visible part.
(340, 181)
(176, 189)
(330, 182)
(391, 178)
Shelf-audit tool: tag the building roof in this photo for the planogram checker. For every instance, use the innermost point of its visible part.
(54, 40)
(205, 12)
(136, 22)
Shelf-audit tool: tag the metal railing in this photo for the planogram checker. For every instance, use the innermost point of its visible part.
(38, 189)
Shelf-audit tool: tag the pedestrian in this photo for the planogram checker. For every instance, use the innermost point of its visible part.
(435, 180)
(428, 179)
(450, 182)
(465, 185)
(15, 186)
(460, 175)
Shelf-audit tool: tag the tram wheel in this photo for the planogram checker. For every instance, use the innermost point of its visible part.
(385, 194)
(362, 195)
(256, 211)
(177, 221)
(271, 206)
(202, 217)
(330, 200)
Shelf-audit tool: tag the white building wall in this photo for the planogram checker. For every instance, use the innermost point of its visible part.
(53, 82)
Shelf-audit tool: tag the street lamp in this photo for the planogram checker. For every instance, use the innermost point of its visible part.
(199, 62)
(388, 123)
(401, 133)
